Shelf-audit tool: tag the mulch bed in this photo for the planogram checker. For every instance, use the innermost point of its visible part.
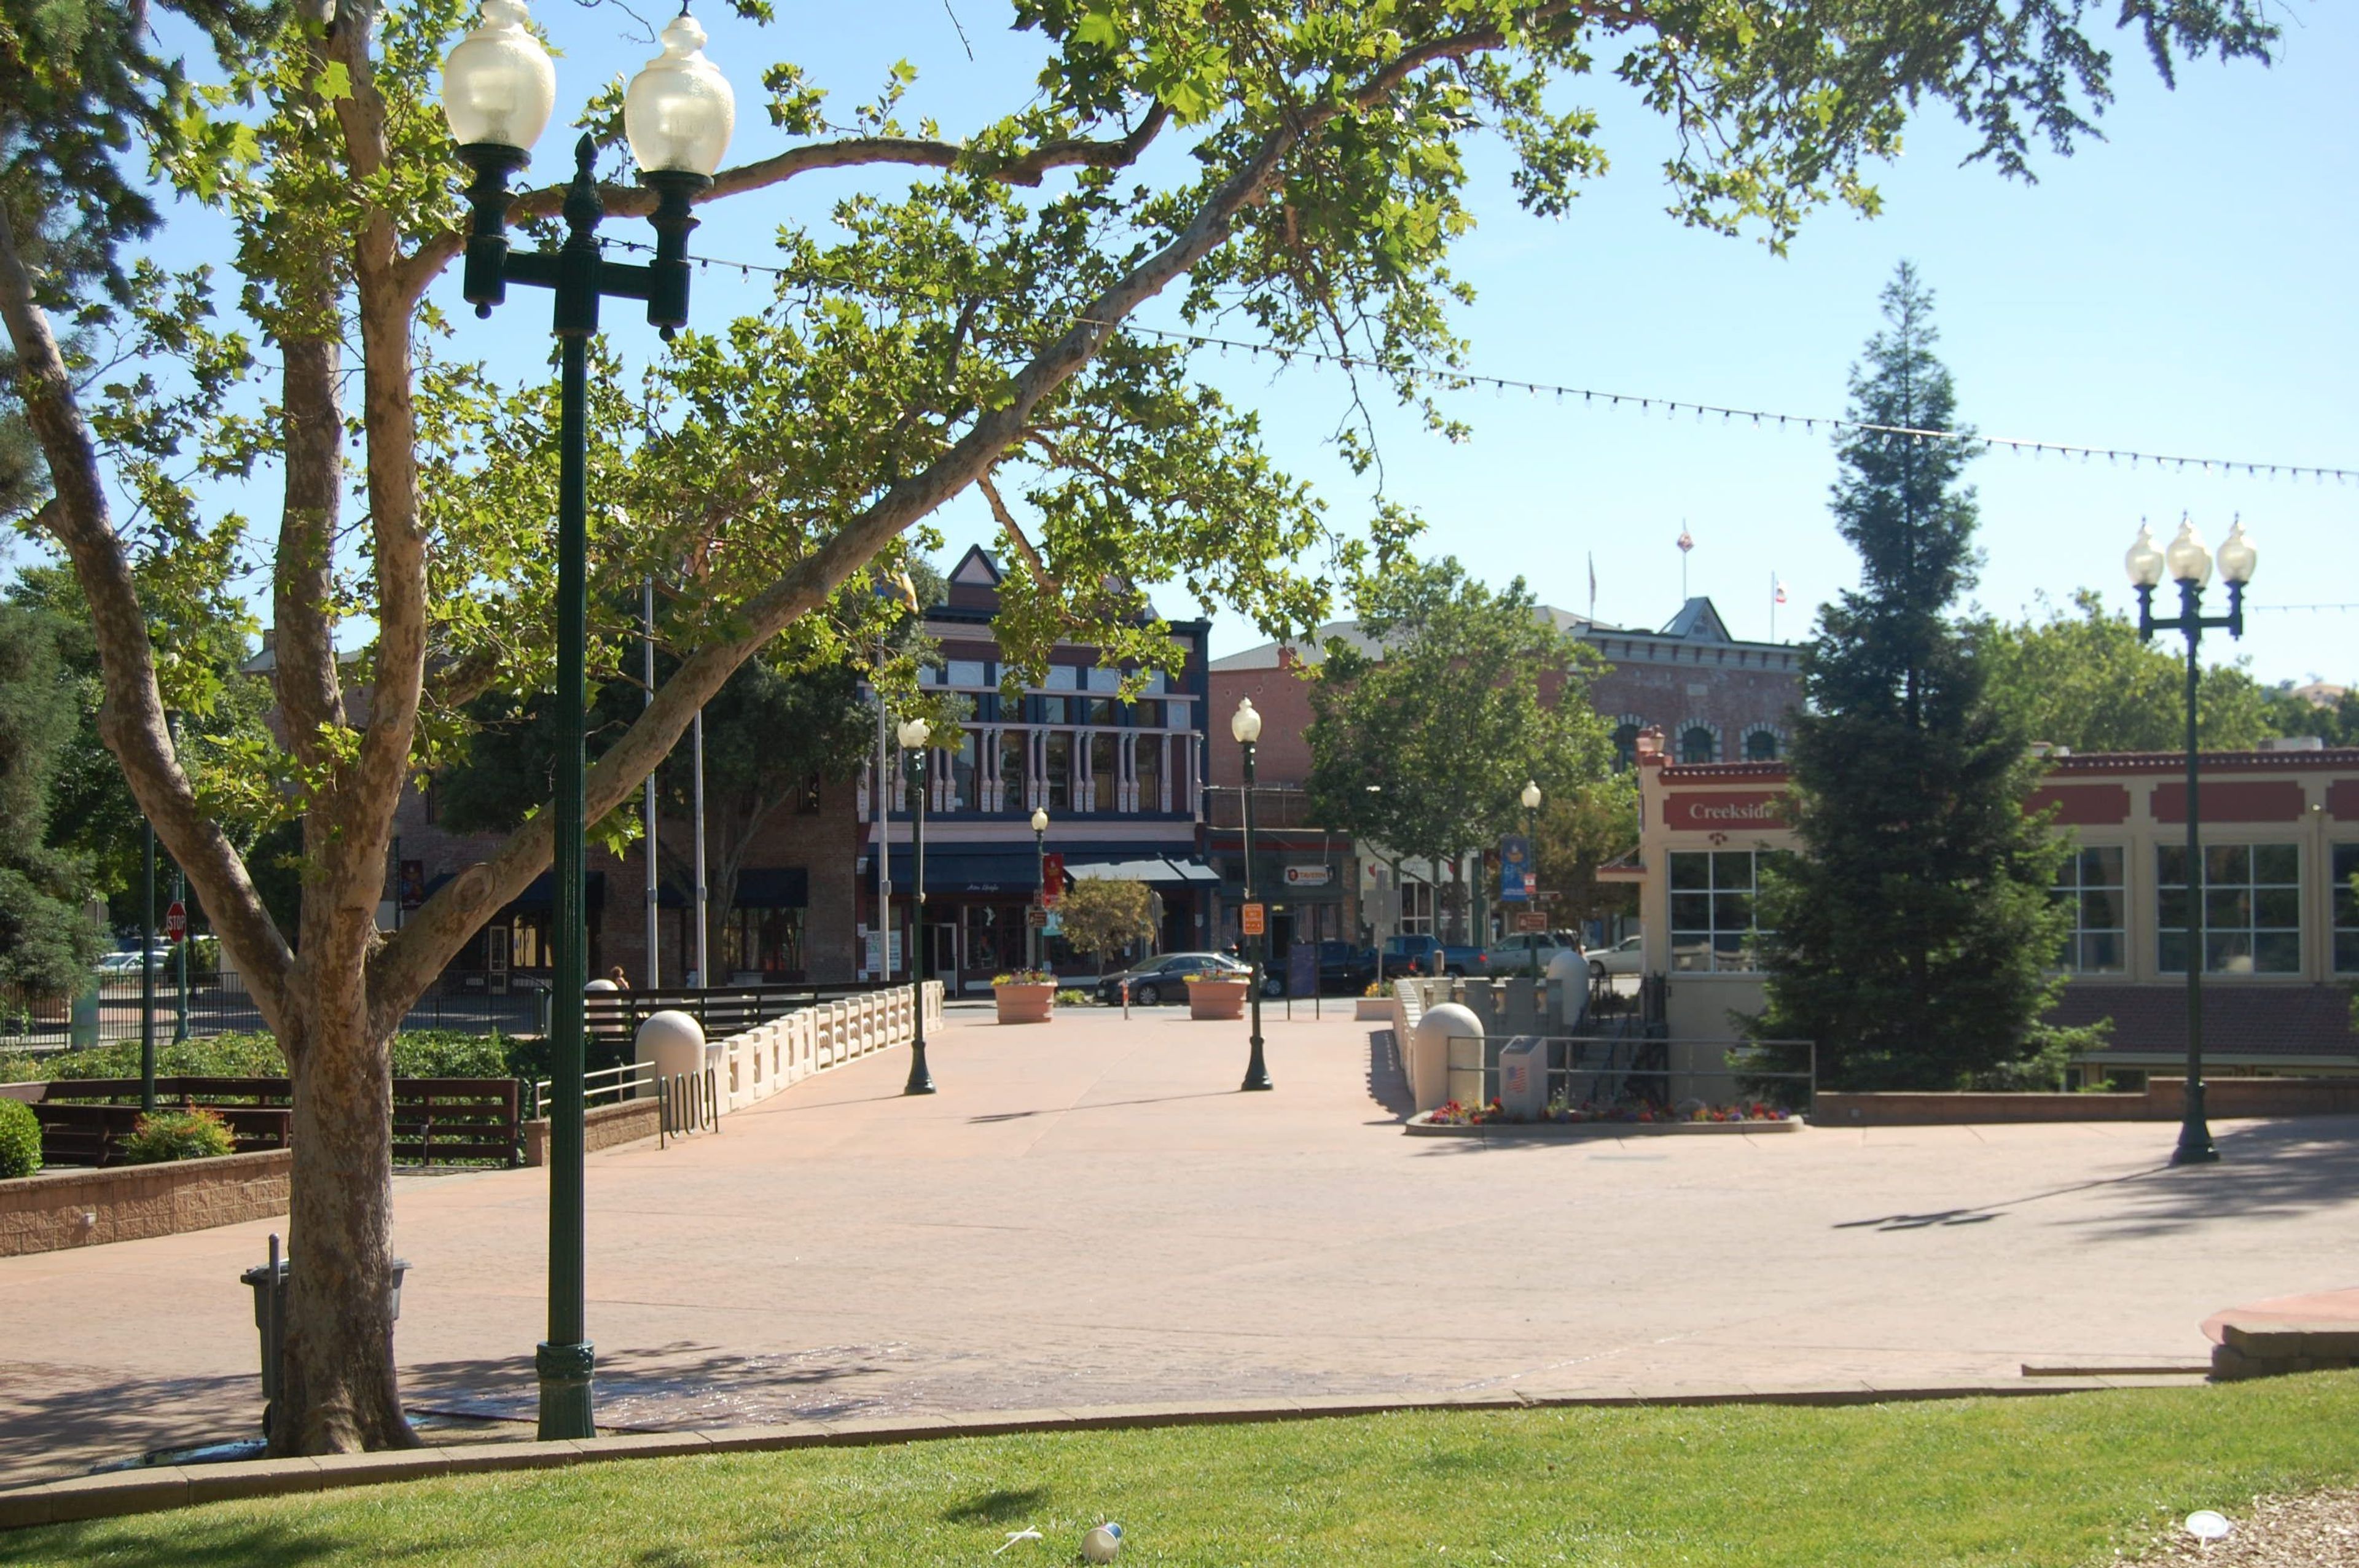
(2314, 1529)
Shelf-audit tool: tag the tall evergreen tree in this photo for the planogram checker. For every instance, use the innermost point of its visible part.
(1913, 939)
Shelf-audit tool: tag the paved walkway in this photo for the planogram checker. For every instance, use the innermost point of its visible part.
(1090, 1214)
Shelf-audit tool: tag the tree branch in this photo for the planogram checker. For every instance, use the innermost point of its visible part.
(131, 718)
(401, 969)
(855, 152)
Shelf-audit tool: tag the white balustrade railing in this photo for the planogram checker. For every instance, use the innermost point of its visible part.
(769, 1057)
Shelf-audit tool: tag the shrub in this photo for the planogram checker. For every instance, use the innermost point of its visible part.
(1068, 997)
(195, 1134)
(1025, 978)
(20, 1140)
(428, 1053)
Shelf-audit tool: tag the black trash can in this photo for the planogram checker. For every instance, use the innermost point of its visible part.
(268, 1283)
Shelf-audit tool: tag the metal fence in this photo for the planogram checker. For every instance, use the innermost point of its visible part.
(1599, 1072)
(465, 1003)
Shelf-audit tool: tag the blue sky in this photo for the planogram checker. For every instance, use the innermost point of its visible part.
(2184, 286)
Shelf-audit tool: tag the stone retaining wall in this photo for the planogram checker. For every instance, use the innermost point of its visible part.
(2163, 1100)
(124, 1203)
(604, 1126)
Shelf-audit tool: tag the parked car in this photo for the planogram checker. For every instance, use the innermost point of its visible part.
(1413, 955)
(122, 966)
(1165, 976)
(1346, 968)
(1512, 955)
(1622, 958)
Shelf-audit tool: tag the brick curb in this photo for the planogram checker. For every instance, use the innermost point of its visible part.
(171, 1487)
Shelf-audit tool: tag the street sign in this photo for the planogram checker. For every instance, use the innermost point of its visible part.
(1250, 919)
(1034, 915)
(176, 921)
(1531, 920)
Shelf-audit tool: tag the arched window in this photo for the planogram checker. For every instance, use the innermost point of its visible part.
(1761, 746)
(1625, 744)
(1698, 744)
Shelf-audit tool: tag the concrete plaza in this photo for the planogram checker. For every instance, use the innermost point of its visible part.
(1089, 1213)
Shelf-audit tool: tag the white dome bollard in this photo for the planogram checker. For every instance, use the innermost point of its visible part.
(1429, 1056)
(599, 984)
(1567, 989)
(673, 1040)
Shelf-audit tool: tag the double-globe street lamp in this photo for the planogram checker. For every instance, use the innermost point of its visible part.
(1531, 799)
(2189, 565)
(498, 89)
(913, 734)
(1244, 727)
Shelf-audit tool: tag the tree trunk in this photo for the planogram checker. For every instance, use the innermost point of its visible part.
(338, 1389)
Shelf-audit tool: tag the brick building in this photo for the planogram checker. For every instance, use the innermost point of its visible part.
(2280, 847)
(1717, 697)
(1122, 782)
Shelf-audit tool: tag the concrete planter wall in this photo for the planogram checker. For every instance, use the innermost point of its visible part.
(603, 1126)
(1026, 1001)
(1216, 998)
(126, 1203)
(2163, 1100)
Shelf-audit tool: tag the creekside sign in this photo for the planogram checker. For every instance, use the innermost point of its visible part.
(1702, 810)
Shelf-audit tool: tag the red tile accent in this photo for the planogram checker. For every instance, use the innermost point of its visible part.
(2240, 800)
(2083, 805)
(2342, 799)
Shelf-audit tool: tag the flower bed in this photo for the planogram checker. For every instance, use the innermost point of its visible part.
(1619, 1116)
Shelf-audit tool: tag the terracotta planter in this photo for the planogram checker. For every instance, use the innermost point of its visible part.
(1029, 1002)
(1217, 998)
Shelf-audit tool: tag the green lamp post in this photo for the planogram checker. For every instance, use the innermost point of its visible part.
(1531, 799)
(913, 734)
(498, 89)
(2189, 565)
(1040, 860)
(1244, 727)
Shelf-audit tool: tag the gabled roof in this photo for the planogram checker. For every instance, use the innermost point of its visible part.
(1698, 622)
(976, 569)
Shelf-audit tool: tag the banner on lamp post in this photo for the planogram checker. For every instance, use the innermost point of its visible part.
(1515, 878)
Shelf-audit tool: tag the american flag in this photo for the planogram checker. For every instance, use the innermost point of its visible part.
(1778, 587)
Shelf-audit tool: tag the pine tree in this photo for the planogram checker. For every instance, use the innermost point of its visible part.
(1915, 935)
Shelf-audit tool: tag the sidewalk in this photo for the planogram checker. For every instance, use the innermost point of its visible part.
(1089, 1214)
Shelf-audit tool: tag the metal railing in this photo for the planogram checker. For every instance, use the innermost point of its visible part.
(616, 1084)
(1600, 1073)
(111, 1011)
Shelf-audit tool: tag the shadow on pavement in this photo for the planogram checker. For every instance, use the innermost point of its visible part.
(1387, 1079)
(2268, 1169)
(60, 1421)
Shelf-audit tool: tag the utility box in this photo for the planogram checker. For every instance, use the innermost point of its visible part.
(1523, 1076)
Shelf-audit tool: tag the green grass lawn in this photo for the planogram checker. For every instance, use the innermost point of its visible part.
(2066, 1480)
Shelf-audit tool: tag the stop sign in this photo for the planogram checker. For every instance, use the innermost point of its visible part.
(176, 921)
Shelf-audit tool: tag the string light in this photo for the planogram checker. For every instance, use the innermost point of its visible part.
(1286, 355)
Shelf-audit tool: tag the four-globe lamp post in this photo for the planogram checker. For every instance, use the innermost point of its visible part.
(499, 87)
(1244, 727)
(913, 734)
(2189, 565)
(1531, 799)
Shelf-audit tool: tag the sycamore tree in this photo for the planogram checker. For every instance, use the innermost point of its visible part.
(2084, 678)
(1422, 742)
(959, 320)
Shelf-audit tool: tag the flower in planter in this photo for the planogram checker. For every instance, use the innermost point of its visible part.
(1025, 978)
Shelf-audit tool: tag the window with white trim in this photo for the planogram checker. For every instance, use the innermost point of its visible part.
(1416, 908)
(1712, 918)
(2252, 909)
(2346, 910)
(2090, 886)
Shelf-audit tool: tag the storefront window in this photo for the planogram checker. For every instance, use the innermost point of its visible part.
(2090, 886)
(1101, 772)
(1712, 929)
(963, 774)
(2252, 909)
(1059, 750)
(1416, 909)
(2346, 910)
(1146, 766)
(762, 941)
(1015, 766)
